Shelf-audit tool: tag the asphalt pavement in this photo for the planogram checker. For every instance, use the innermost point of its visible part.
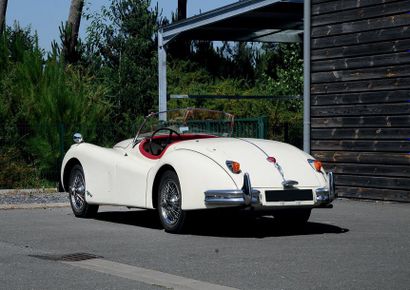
(355, 245)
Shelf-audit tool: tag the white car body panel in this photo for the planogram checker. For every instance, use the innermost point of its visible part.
(122, 175)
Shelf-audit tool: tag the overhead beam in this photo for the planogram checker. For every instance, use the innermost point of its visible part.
(213, 16)
(287, 36)
(265, 35)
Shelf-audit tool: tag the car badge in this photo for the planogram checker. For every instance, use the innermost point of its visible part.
(271, 159)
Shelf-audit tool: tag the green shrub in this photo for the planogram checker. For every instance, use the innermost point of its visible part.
(57, 101)
(15, 172)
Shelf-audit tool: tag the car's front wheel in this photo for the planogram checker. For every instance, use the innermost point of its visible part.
(171, 215)
(76, 190)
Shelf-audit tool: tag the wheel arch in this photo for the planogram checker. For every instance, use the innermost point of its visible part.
(67, 170)
(157, 179)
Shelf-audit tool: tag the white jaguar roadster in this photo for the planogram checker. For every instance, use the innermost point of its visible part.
(191, 162)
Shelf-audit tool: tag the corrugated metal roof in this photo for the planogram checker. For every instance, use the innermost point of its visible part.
(249, 20)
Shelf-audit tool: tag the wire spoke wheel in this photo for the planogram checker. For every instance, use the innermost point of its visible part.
(170, 212)
(170, 202)
(77, 190)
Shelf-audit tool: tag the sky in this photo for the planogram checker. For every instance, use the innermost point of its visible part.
(45, 16)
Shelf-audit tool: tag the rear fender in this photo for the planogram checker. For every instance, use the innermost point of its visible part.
(197, 173)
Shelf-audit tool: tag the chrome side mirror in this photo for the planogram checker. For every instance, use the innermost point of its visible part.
(78, 138)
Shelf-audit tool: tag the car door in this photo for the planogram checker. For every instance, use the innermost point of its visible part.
(131, 177)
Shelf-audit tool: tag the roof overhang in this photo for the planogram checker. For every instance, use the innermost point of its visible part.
(247, 21)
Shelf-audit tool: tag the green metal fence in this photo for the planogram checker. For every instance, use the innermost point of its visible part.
(249, 127)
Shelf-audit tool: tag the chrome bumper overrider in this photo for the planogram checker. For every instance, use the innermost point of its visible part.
(245, 196)
(250, 196)
(325, 195)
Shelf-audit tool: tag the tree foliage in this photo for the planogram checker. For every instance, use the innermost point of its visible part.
(121, 49)
(247, 70)
(112, 84)
(46, 100)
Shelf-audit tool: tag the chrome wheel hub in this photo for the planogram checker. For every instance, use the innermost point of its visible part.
(170, 204)
(77, 191)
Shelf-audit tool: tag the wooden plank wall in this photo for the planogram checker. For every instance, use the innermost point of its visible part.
(360, 95)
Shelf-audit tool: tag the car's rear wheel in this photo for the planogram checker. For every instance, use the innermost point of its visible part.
(294, 217)
(171, 215)
(76, 190)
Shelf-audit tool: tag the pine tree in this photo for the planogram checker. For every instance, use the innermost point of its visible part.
(121, 44)
(3, 9)
(70, 31)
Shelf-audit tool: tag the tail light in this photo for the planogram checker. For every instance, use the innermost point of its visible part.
(234, 167)
(316, 164)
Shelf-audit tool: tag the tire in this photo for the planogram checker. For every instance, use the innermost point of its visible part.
(76, 190)
(171, 215)
(293, 217)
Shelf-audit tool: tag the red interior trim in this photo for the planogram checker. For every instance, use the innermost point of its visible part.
(175, 139)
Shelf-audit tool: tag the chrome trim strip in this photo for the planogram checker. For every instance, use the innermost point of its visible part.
(224, 192)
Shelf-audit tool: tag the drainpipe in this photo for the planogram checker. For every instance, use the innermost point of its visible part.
(306, 77)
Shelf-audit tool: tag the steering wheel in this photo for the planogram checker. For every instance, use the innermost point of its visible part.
(168, 141)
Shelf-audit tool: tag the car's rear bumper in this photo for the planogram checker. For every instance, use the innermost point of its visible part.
(248, 196)
(245, 196)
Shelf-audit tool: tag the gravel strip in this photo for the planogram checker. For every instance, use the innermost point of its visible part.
(23, 198)
(32, 205)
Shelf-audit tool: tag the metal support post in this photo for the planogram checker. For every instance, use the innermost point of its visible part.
(162, 77)
(306, 77)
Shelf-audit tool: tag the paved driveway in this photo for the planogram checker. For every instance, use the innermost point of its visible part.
(355, 245)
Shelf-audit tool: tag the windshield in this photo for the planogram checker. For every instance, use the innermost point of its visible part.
(188, 121)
